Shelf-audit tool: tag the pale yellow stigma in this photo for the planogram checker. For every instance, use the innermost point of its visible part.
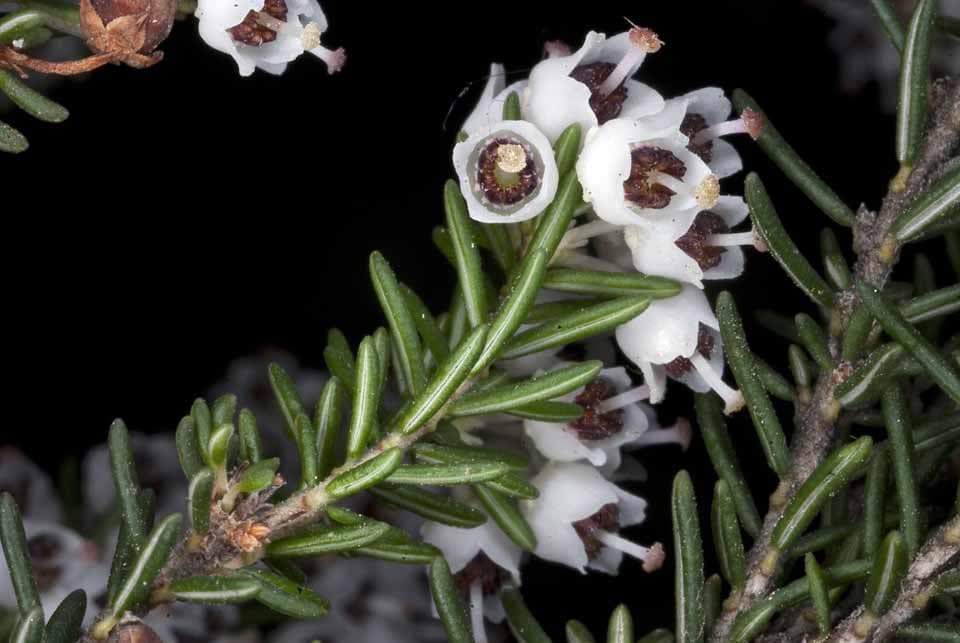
(310, 36)
(708, 192)
(511, 158)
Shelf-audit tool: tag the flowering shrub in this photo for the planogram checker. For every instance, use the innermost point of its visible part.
(587, 213)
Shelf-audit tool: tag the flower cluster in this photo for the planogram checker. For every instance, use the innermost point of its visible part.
(267, 34)
(649, 168)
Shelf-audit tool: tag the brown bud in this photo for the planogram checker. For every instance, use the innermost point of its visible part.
(128, 30)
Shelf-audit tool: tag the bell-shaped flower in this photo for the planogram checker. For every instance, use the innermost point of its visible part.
(678, 336)
(483, 560)
(612, 418)
(706, 121)
(62, 562)
(578, 516)
(266, 34)
(484, 112)
(640, 172)
(593, 84)
(29, 485)
(707, 250)
(507, 172)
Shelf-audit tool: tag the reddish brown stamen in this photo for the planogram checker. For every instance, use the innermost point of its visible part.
(493, 188)
(639, 189)
(490, 575)
(692, 125)
(607, 519)
(252, 32)
(593, 425)
(606, 107)
(680, 366)
(695, 241)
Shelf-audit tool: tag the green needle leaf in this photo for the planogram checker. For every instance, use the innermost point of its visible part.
(467, 254)
(30, 100)
(442, 453)
(866, 384)
(834, 265)
(427, 326)
(217, 590)
(899, 425)
(339, 359)
(522, 624)
(814, 340)
(890, 21)
(511, 107)
(257, 476)
(445, 382)
(932, 206)
(620, 628)
(577, 632)
(688, 554)
(498, 240)
(542, 387)
(15, 551)
(307, 448)
(18, 24)
(819, 593)
(790, 163)
(446, 597)
(659, 635)
(929, 632)
(445, 475)
(939, 369)
(365, 475)
(324, 540)
(286, 597)
(504, 512)
(724, 459)
(514, 486)
(874, 501)
(931, 305)
(203, 426)
(758, 403)
(125, 483)
(889, 567)
(66, 622)
(223, 410)
(220, 445)
(191, 461)
(549, 411)
(914, 76)
(406, 340)
(287, 397)
(154, 554)
(326, 418)
(30, 628)
(250, 443)
(125, 553)
(566, 149)
(834, 473)
(366, 400)
(199, 498)
(609, 284)
(429, 505)
(781, 246)
(712, 601)
(589, 322)
(726, 536)
(11, 140)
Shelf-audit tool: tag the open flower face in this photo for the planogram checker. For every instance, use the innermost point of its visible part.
(592, 85)
(679, 337)
(266, 34)
(612, 418)
(577, 516)
(704, 251)
(507, 172)
(640, 172)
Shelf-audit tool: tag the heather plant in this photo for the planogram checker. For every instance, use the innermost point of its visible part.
(587, 213)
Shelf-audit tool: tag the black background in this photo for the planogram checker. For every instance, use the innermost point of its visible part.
(184, 216)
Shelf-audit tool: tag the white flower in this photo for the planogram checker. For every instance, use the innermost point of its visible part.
(678, 336)
(612, 419)
(29, 485)
(640, 172)
(484, 113)
(62, 562)
(707, 250)
(577, 517)
(592, 85)
(706, 121)
(481, 558)
(507, 172)
(266, 34)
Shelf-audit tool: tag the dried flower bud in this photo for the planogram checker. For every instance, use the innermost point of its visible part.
(134, 631)
(128, 30)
